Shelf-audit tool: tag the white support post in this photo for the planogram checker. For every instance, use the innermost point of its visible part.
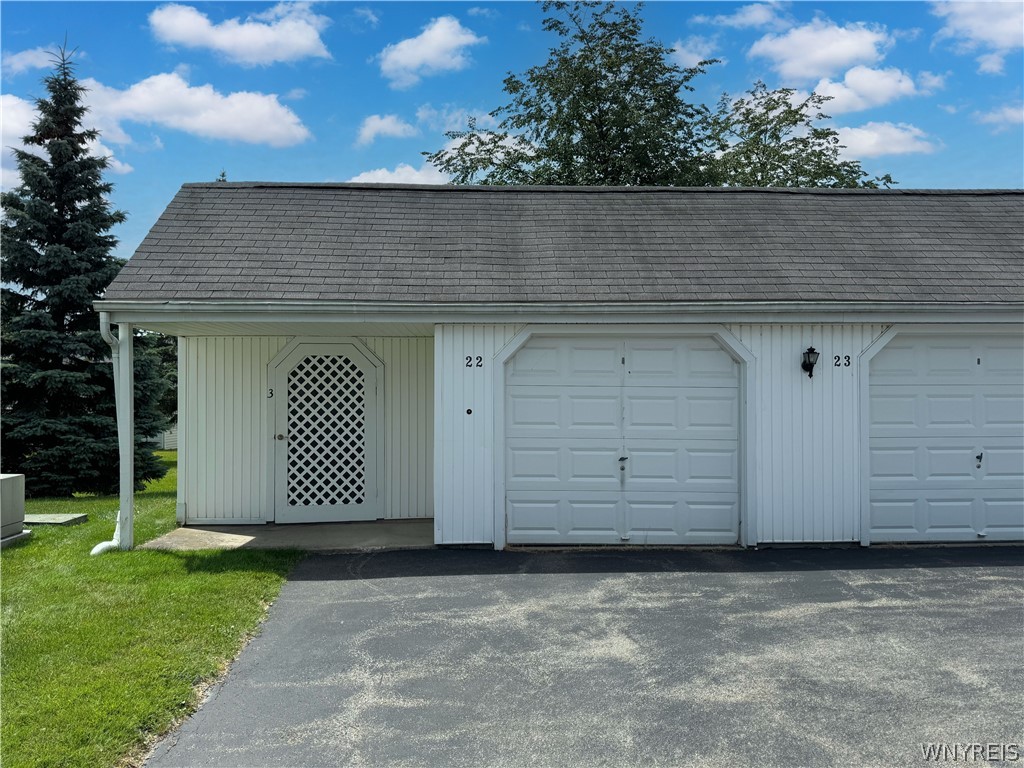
(124, 397)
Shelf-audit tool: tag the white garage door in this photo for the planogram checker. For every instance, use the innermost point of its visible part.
(947, 439)
(612, 441)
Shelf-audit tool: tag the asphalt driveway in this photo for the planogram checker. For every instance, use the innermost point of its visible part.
(798, 657)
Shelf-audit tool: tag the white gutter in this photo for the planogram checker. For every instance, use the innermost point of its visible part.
(534, 308)
(115, 355)
(152, 312)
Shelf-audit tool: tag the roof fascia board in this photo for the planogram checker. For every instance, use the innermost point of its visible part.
(381, 312)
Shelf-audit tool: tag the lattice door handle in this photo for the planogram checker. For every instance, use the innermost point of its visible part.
(279, 437)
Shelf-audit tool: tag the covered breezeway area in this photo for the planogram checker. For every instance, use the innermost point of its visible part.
(290, 421)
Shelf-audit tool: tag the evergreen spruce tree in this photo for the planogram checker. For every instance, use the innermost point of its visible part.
(57, 415)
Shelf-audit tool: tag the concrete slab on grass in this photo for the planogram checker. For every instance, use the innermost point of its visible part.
(56, 519)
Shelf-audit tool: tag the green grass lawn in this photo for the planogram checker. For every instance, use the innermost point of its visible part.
(101, 654)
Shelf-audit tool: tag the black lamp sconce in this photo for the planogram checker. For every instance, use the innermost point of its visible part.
(810, 359)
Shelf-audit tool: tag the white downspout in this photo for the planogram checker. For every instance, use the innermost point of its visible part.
(124, 399)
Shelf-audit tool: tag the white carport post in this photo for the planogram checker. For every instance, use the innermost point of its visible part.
(122, 357)
(124, 398)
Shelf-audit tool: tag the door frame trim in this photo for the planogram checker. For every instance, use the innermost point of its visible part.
(747, 421)
(274, 376)
(864, 399)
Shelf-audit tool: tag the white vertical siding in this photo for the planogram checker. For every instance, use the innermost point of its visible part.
(408, 424)
(807, 443)
(464, 443)
(225, 424)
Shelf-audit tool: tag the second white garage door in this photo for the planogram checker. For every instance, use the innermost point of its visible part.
(612, 441)
(947, 439)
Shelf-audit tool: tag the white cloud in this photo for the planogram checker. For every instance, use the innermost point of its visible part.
(451, 118)
(487, 13)
(877, 139)
(403, 174)
(992, 28)
(296, 94)
(822, 49)
(756, 15)
(929, 82)
(384, 125)
(286, 32)
(19, 115)
(98, 149)
(34, 58)
(864, 87)
(991, 63)
(440, 47)
(690, 52)
(371, 18)
(1002, 117)
(168, 100)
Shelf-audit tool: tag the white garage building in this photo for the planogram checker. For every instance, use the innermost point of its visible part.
(592, 365)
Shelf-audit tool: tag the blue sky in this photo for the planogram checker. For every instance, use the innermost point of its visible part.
(322, 92)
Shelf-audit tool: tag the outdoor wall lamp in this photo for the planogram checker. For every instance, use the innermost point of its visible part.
(810, 358)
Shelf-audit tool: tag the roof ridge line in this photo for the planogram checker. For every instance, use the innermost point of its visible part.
(499, 189)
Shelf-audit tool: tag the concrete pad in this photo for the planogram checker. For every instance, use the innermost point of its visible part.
(315, 537)
(56, 519)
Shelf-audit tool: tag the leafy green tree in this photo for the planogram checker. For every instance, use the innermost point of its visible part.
(606, 108)
(773, 139)
(57, 414)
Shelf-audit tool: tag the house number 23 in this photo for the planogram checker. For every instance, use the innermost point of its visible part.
(841, 361)
(474, 362)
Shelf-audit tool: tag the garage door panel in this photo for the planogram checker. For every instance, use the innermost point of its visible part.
(664, 518)
(552, 463)
(932, 462)
(697, 362)
(1003, 513)
(681, 465)
(939, 360)
(1002, 463)
(898, 411)
(531, 465)
(540, 517)
(1003, 412)
(947, 516)
(566, 412)
(567, 361)
(947, 462)
(697, 413)
(1004, 361)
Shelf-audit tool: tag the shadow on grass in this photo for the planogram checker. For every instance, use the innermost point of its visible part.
(479, 562)
(278, 561)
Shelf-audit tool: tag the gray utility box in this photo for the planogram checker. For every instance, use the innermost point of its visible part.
(12, 505)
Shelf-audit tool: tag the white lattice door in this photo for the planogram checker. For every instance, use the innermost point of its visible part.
(326, 445)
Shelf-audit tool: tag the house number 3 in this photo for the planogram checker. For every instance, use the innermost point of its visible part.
(841, 361)
(474, 362)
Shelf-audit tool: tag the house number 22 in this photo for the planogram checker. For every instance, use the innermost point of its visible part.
(841, 361)
(474, 362)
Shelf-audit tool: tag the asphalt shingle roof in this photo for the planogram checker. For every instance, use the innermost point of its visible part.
(359, 242)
